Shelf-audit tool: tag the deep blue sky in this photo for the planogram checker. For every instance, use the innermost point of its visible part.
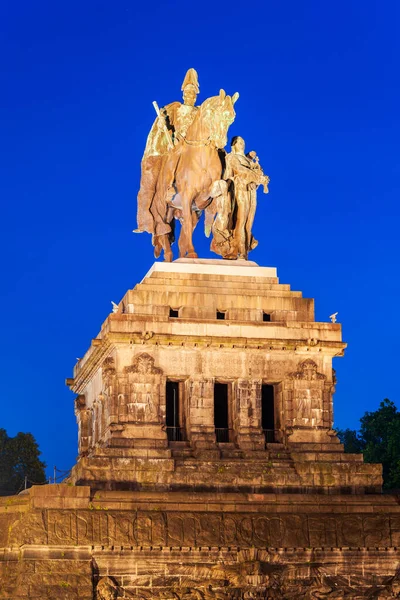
(319, 102)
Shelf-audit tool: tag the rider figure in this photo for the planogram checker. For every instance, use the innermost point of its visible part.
(160, 160)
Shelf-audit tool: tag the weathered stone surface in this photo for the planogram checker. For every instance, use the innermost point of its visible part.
(230, 544)
(146, 514)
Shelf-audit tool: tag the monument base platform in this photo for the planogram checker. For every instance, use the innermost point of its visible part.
(64, 542)
(213, 266)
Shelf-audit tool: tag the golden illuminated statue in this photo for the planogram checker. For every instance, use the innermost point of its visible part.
(180, 164)
(236, 203)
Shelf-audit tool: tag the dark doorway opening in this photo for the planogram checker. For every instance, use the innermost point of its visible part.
(173, 312)
(268, 412)
(266, 317)
(220, 315)
(221, 413)
(174, 431)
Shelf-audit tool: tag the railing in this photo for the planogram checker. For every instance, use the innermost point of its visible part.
(270, 435)
(175, 434)
(222, 435)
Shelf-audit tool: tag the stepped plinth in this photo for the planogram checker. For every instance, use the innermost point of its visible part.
(198, 329)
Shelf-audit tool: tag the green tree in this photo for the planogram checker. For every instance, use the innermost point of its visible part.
(6, 470)
(352, 443)
(19, 458)
(379, 440)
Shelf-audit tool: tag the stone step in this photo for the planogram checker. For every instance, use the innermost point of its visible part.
(227, 453)
(229, 450)
(149, 287)
(213, 284)
(223, 301)
(315, 447)
(138, 443)
(128, 453)
(231, 465)
(279, 455)
(327, 457)
(224, 477)
(255, 454)
(181, 449)
(221, 278)
(276, 464)
(182, 453)
(159, 312)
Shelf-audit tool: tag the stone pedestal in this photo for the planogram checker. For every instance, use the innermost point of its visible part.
(208, 467)
(169, 328)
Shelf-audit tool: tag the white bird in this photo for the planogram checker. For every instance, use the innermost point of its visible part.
(333, 317)
(115, 307)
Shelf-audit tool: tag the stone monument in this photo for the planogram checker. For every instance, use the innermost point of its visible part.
(208, 467)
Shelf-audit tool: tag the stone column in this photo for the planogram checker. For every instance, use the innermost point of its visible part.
(247, 411)
(84, 420)
(308, 404)
(141, 404)
(200, 418)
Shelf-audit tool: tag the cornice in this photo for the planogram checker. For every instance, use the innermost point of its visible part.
(97, 353)
(100, 349)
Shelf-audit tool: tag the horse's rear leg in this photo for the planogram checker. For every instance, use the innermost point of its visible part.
(162, 242)
(185, 243)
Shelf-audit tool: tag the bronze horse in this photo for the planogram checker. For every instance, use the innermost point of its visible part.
(195, 170)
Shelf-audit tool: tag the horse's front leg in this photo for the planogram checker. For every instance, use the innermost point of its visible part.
(182, 242)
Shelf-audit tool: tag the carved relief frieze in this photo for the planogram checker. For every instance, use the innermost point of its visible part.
(200, 392)
(307, 398)
(254, 412)
(142, 404)
(96, 419)
(141, 385)
(84, 431)
(265, 576)
(80, 403)
(196, 393)
(107, 589)
(143, 364)
(85, 425)
(243, 394)
(146, 335)
(248, 402)
(84, 421)
(108, 370)
(308, 371)
(105, 403)
(253, 566)
(146, 528)
(308, 408)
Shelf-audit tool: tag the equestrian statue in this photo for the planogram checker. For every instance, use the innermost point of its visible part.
(186, 171)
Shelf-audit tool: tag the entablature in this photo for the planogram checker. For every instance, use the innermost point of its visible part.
(86, 368)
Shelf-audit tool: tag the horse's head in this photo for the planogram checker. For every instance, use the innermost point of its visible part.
(218, 114)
